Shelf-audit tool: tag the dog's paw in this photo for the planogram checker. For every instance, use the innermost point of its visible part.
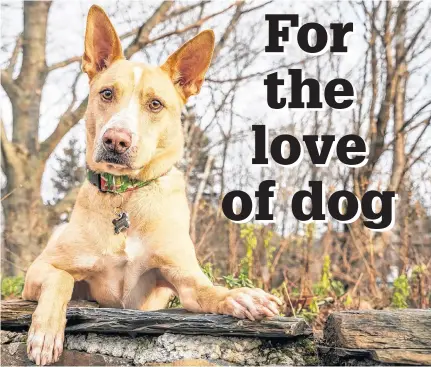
(251, 303)
(45, 340)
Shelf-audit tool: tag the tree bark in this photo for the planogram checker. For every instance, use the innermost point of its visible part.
(26, 218)
(26, 106)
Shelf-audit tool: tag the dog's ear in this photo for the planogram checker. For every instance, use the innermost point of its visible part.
(188, 65)
(102, 45)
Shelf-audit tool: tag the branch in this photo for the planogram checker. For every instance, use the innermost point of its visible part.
(15, 53)
(144, 32)
(69, 119)
(427, 123)
(229, 29)
(8, 151)
(7, 81)
(241, 78)
(198, 197)
(64, 63)
(372, 17)
(249, 10)
(186, 9)
(180, 11)
(197, 24)
(415, 37)
(408, 131)
(9, 85)
(417, 113)
(418, 158)
(4, 144)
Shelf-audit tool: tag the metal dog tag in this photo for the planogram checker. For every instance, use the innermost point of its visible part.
(121, 223)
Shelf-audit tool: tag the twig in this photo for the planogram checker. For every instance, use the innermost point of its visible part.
(10, 193)
(16, 266)
(288, 297)
(357, 284)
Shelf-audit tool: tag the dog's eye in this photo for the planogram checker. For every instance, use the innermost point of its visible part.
(107, 94)
(156, 105)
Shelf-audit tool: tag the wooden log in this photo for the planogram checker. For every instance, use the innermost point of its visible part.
(390, 336)
(402, 356)
(374, 329)
(332, 356)
(17, 315)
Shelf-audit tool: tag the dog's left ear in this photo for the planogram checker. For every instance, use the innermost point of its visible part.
(188, 65)
(102, 44)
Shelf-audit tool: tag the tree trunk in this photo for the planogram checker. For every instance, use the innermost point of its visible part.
(27, 227)
(26, 224)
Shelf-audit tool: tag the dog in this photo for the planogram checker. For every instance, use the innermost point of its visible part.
(128, 235)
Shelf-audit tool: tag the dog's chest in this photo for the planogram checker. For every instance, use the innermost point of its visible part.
(117, 275)
(135, 249)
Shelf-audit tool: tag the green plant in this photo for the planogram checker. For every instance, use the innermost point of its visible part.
(269, 249)
(338, 288)
(207, 268)
(242, 281)
(401, 292)
(247, 234)
(174, 302)
(12, 286)
(418, 271)
(326, 284)
(348, 301)
(311, 312)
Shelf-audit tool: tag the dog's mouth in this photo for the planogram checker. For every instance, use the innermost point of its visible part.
(117, 163)
(117, 160)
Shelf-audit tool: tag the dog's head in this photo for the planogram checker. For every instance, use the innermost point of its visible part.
(133, 117)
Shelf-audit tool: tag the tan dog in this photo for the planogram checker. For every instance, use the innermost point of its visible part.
(133, 131)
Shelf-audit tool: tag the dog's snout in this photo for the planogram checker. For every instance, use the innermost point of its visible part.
(117, 140)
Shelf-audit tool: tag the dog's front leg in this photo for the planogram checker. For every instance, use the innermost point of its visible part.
(52, 288)
(198, 294)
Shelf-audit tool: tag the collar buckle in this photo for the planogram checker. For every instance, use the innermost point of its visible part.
(95, 179)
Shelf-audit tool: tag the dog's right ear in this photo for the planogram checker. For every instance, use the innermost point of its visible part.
(102, 44)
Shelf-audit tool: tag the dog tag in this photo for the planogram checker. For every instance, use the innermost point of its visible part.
(121, 223)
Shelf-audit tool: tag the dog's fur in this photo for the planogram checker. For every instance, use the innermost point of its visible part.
(155, 258)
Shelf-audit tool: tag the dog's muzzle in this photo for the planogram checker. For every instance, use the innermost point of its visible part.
(114, 147)
(117, 140)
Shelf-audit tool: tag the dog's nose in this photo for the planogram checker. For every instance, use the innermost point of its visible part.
(117, 140)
